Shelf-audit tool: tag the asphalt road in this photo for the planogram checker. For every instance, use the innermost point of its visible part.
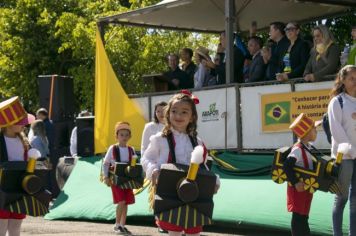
(39, 226)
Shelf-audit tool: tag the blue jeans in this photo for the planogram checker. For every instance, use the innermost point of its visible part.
(347, 184)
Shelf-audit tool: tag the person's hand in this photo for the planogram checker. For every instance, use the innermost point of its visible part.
(266, 54)
(107, 181)
(282, 77)
(299, 187)
(208, 63)
(312, 78)
(155, 175)
(175, 82)
(309, 77)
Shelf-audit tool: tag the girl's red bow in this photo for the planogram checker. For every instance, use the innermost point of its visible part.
(187, 92)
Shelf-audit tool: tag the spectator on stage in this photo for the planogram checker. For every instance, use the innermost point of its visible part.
(297, 55)
(324, 57)
(257, 67)
(177, 79)
(188, 65)
(203, 76)
(220, 69)
(273, 56)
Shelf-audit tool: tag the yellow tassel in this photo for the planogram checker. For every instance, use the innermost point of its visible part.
(151, 197)
(146, 183)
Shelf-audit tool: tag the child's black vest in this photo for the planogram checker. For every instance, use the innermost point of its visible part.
(172, 144)
(116, 153)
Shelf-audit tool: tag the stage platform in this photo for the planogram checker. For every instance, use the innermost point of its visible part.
(242, 201)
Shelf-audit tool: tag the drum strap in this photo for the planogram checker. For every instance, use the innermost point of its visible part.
(304, 155)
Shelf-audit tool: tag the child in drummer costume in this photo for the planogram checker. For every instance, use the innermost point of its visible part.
(299, 200)
(180, 126)
(121, 197)
(13, 147)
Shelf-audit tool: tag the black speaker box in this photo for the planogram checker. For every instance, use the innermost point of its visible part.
(57, 96)
(85, 136)
(62, 132)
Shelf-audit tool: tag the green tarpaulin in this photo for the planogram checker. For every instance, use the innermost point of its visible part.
(246, 201)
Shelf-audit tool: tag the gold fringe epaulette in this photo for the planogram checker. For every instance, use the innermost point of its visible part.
(146, 183)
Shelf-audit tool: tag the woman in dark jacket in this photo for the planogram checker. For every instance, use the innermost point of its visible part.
(324, 57)
(297, 55)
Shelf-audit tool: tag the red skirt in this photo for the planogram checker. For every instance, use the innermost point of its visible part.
(298, 202)
(4, 214)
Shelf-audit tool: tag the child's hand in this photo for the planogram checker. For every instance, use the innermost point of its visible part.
(107, 181)
(299, 186)
(155, 175)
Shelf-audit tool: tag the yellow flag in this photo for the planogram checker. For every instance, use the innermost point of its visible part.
(112, 104)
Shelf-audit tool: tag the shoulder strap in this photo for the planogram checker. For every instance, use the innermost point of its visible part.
(3, 150)
(304, 155)
(116, 153)
(194, 141)
(339, 98)
(131, 153)
(171, 145)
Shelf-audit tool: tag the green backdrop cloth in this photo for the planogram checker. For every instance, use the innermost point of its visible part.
(242, 201)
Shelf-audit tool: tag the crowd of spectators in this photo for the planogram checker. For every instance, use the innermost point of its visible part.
(285, 55)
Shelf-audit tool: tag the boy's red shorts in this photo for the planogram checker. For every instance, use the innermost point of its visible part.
(171, 227)
(119, 195)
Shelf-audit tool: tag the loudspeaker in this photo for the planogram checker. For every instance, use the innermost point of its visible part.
(57, 96)
(62, 132)
(85, 136)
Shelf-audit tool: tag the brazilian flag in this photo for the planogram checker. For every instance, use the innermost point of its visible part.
(277, 113)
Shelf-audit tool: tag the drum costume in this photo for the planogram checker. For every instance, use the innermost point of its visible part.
(175, 209)
(22, 190)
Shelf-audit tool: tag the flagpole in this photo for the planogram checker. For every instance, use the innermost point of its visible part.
(101, 27)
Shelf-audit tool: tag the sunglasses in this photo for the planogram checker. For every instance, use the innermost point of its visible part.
(290, 29)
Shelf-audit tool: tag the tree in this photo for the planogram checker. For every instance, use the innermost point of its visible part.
(58, 37)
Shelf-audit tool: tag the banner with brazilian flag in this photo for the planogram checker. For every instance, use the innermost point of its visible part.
(277, 113)
(280, 109)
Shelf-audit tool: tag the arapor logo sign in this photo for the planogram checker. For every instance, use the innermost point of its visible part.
(210, 115)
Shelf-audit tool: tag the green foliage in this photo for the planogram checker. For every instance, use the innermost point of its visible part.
(41, 37)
